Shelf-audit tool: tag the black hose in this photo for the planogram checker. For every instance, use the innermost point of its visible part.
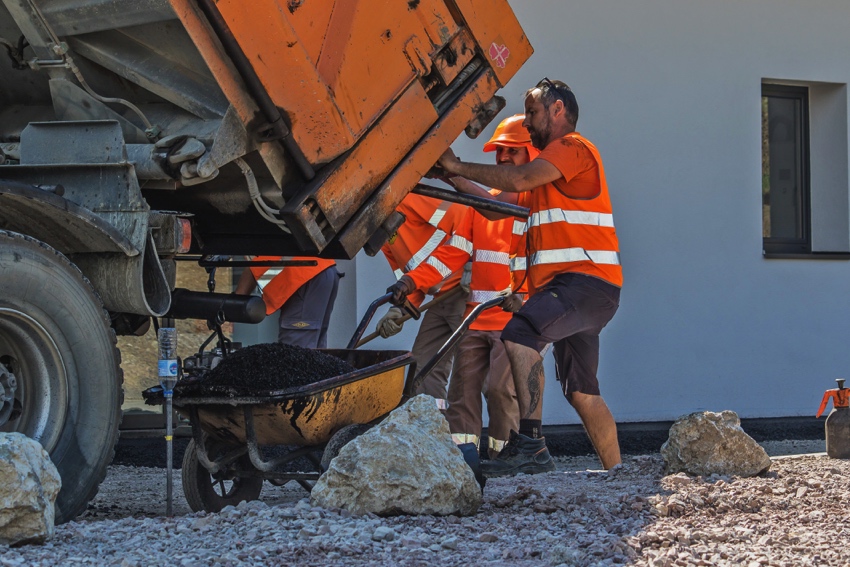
(482, 203)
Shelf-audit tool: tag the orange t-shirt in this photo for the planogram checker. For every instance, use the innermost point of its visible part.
(577, 165)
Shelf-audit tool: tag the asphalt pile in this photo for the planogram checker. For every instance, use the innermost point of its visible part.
(264, 368)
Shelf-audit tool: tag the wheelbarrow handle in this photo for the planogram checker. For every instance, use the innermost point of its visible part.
(370, 312)
(425, 306)
(450, 344)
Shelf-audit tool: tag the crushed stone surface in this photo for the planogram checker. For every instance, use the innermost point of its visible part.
(798, 514)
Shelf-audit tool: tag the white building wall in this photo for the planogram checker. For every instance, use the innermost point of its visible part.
(670, 92)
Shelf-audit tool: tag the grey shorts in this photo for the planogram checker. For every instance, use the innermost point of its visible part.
(569, 312)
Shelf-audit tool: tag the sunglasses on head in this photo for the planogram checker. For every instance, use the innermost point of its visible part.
(552, 87)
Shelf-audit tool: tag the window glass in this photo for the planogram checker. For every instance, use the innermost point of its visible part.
(785, 181)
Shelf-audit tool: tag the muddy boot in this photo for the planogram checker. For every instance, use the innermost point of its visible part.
(521, 454)
(473, 459)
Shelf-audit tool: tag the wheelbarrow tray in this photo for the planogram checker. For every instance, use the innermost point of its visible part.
(307, 415)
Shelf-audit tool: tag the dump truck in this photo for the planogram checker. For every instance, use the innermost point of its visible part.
(137, 132)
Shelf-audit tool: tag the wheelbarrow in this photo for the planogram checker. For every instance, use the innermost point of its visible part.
(239, 442)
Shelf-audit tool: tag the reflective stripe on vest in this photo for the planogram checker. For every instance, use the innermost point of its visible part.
(464, 438)
(571, 217)
(444, 270)
(480, 295)
(517, 263)
(268, 276)
(565, 255)
(426, 249)
(492, 257)
(439, 213)
(519, 227)
(460, 243)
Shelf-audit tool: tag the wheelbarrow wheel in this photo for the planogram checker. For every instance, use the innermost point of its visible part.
(340, 439)
(211, 493)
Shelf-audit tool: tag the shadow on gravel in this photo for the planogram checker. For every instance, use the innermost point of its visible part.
(562, 440)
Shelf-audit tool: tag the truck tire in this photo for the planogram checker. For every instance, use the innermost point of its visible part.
(56, 340)
(205, 492)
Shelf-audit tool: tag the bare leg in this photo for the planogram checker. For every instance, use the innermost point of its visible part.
(600, 426)
(527, 368)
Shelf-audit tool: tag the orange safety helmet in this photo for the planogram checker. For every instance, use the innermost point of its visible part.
(510, 132)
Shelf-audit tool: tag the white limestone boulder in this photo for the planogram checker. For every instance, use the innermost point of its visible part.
(407, 464)
(705, 443)
(29, 484)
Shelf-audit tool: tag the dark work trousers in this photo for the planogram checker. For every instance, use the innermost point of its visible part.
(305, 316)
(438, 324)
(481, 366)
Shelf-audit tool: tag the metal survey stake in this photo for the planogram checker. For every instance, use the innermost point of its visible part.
(168, 373)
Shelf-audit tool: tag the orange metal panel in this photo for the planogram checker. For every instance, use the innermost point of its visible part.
(363, 59)
(366, 59)
(226, 76)
(436, 19)
(281, 61)
(455, 57)
(410, 170)
(339, 193)
(310, 21)
(497, 31)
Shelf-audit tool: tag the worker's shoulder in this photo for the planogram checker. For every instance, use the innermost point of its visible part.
(571, 142)
(567, 149)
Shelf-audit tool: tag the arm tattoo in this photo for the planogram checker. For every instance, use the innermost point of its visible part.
(535, 377)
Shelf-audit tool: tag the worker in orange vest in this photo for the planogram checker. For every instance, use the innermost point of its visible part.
(481, 364)
(428, 223)
(574, 276)
(304, 295)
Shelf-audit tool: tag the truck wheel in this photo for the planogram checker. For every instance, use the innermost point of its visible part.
(62, 369)
(211, 493)
(340, 439)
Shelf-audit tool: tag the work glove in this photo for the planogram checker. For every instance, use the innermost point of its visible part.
(512, 303)
(466, 277)
(388, 326)
(401, 289)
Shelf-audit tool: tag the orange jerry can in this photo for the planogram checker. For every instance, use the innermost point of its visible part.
(837, 422)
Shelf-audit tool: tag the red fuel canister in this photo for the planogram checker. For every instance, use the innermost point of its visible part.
(837, 422)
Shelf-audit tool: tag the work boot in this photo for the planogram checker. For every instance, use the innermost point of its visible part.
(520, 454)
(472, 458)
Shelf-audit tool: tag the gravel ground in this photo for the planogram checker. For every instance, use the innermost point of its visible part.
(632, 515)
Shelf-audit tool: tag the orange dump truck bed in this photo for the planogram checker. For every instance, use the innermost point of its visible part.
(371, 91)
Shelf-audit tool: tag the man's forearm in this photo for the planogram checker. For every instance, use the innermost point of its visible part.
(504, 178)
(247, 284)
(467, 187)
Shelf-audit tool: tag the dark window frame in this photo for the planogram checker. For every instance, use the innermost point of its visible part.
(783, 246)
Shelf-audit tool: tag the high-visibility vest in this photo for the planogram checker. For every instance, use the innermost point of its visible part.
(572, 235)
(280, 283)
(428, 224)
(519, 247)
(488, 245)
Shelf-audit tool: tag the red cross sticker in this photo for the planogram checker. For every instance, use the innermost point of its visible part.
(499, 54)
